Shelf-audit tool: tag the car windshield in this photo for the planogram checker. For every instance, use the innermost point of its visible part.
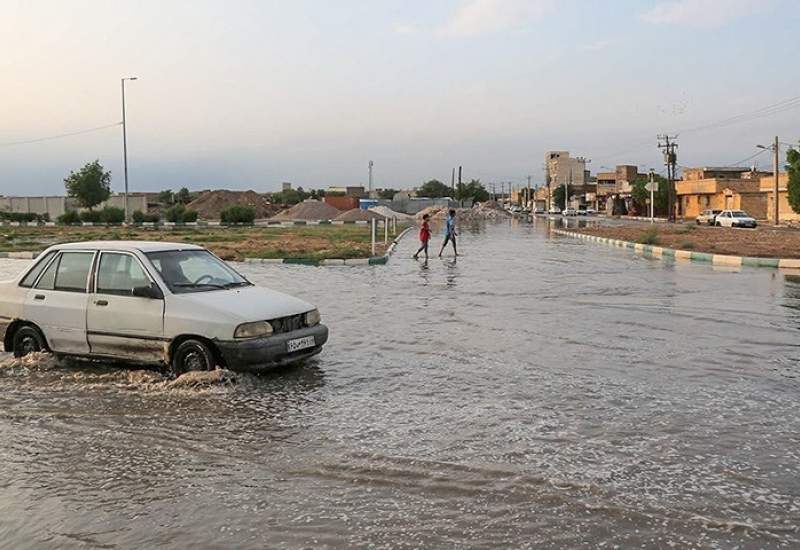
(738, 214)
(194, 271)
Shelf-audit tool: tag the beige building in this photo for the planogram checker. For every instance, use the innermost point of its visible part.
(562, 168)
(722, 188)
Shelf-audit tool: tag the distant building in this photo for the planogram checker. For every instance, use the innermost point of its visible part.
(562, 168)
(286, 186)
(349, 191)
(722, 188)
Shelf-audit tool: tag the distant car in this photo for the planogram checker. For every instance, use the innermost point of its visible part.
(539, 210)
(590, 211)
(708, 217)
(570, 212)
(734, 218)
(554, 210)
(582, 212)
(515, 209)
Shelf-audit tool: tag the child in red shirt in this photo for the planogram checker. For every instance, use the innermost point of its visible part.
(424, 236)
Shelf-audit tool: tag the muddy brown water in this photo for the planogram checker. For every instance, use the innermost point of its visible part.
(535, 393)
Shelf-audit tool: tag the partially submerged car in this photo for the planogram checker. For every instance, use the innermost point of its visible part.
(154, 302)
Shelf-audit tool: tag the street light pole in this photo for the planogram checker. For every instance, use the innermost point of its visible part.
(125, 144)
(652, 197)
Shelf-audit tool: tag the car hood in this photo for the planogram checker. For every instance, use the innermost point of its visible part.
(252, 303)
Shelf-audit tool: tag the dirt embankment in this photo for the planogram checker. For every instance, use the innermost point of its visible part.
(763, 242)
(210, 203)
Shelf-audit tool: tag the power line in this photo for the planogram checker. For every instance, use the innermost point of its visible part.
(59, 136)
(751, 157)
(769, 110)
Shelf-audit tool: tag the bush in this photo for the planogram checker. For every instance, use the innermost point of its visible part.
(112, 214)
(23, 217)
(180, 214)
(141, 217)
(649, 237)
(69, 217)
(238, 214)
(91, 216)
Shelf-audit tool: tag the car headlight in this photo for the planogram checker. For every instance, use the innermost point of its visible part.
(253, 330)
(312, 318)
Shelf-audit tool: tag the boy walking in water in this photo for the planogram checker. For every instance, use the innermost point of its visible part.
(424, 236)
(450, 232)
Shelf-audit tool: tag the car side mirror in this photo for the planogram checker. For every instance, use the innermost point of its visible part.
(151, 291)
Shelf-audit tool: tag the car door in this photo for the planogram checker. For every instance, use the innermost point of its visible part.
(119, 324)
(57, 302)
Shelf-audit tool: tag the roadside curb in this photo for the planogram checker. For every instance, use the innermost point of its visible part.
(706, 257)
(330, 262)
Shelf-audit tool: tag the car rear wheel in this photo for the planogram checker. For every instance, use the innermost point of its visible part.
(28, 340)
(192, 355)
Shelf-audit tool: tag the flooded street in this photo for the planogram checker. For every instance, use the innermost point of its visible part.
(538, 392)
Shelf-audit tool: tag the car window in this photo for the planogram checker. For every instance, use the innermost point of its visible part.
(32, 275)
(73, 271)
(194, 271)
(48, 278)
(738, 214)
(119, 274)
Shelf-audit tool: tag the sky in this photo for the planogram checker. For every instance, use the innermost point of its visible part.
(246, 94)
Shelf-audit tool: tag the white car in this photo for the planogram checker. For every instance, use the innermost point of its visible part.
(153, 302)
(590, 211)
(570, 212)
(555, 210)
(734, 218)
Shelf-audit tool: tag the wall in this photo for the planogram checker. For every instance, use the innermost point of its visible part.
(342, 203)
(55, 206)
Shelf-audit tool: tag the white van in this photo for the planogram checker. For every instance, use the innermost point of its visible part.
(154, 302)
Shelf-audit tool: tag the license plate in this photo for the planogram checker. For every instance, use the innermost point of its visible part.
(300, 343)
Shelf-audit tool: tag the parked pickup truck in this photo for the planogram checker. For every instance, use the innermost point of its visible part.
(153, 302)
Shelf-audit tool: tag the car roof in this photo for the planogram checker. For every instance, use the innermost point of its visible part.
(128, 246)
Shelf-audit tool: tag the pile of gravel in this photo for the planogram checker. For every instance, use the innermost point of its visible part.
(358, 215)
(308, 210)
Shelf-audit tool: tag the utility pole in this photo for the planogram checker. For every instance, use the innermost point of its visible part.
(652, 196)
(125, 144)
(370, 179)
(670, 160)
(528, 204)
(453, 183)
(777, 147)
(460, 189)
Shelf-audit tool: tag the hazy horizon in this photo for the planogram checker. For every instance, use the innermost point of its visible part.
(248, 94)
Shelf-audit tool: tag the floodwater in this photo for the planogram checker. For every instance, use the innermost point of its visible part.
(536, 393)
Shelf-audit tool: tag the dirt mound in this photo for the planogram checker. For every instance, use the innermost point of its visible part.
(357, 215)
(309, 210)
(210, 203)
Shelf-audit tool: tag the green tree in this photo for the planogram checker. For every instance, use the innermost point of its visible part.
(558, 197)
(166, 197)
(434, 189)
(183, 196)
(472, 190)
(793, 156)
(91, 185)
(641, 195)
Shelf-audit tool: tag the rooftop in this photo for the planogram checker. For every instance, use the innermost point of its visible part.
(128, 246)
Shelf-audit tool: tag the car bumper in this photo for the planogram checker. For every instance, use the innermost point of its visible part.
(752, 225)
(258, 354)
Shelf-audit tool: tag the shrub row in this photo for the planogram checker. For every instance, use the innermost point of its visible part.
(180, 214)
(24, 217)
(109, 214)
(238, 214)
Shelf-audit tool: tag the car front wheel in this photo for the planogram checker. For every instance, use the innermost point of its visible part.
(192, 355)
(28, 340)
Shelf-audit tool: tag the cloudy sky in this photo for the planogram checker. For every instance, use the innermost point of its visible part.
(247, 94)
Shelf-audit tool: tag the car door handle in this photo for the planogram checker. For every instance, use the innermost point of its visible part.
(101, 302)
(39, 297)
